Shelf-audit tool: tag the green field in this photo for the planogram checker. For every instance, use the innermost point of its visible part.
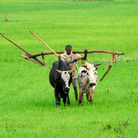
(27, 103)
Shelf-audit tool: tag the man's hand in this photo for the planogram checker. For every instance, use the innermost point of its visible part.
(85, 51)
(85, 56)
(59, 57)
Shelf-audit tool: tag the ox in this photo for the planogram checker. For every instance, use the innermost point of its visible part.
(87, 80)
(60, 78)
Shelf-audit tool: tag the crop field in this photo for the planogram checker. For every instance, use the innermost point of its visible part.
(27, 102)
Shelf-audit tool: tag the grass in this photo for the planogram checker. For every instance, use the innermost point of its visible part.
(27, 102)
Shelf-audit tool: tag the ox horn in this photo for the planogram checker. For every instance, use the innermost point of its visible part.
(97, 64)
(59, 71)
(70, 71)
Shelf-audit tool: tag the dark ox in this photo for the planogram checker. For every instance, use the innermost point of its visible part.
(60, 78)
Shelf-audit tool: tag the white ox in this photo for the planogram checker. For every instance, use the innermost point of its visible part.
(87, 79)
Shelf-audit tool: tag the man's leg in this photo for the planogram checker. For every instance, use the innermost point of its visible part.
(75, 88)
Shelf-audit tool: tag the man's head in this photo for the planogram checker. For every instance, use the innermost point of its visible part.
(68, 49)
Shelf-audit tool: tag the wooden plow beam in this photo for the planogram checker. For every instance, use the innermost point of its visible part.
(27, 54)
(36, 60)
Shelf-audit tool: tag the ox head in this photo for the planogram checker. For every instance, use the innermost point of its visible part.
(65, 79)
(91, 73)
(82, 76)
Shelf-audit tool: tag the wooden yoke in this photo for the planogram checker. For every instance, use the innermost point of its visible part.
(27, 54)
(115, 58)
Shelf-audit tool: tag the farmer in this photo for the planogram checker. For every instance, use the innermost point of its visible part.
(69, 56)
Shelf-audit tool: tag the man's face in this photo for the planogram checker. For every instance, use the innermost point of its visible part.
(68, 50)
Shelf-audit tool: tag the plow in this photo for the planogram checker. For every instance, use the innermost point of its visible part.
(34, 57)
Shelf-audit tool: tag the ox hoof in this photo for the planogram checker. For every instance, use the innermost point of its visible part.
(57, 104)
(80, 103)
(68, 102)
(91, 103)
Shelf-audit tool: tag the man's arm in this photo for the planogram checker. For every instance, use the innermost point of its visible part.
(85, 56)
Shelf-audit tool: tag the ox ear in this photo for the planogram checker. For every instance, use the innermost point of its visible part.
(59, 71)
(70, 71)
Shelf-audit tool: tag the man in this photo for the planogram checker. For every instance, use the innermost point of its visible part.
(69, 56)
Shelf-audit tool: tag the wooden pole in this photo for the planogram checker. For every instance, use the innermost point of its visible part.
(14, 44)
(44, 43)
(106, 73)
(26, 57)
(79, 52)
(27, 54)
(104, 51)
(110, 65)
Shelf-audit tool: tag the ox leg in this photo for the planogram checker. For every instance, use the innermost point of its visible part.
(87, 96)
(75, 88)
(81, 97)
(91, 100)
(68, 100)
(57, 98)
(64, 100)
(91, 96)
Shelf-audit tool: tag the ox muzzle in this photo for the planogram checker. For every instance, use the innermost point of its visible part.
(66, 90)
(92, 84)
